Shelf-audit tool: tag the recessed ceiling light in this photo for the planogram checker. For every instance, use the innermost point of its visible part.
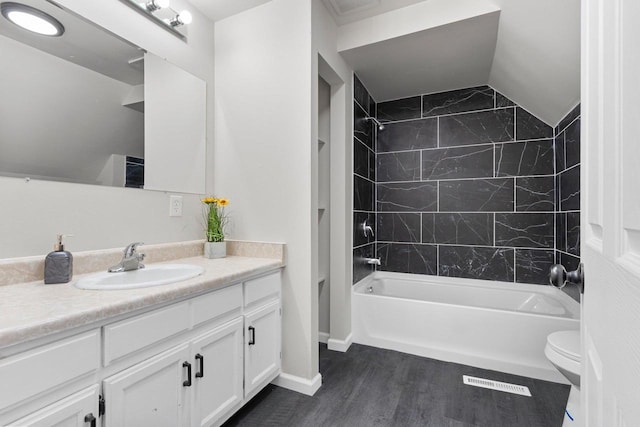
(32, 19)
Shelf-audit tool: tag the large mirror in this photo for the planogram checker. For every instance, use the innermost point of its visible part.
(89, 107)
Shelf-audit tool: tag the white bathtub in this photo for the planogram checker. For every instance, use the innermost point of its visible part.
(491, 325)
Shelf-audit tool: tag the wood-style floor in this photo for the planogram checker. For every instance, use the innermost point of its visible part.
(373, 387)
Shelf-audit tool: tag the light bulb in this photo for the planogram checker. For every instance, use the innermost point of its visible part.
(185, 17)
(32, 19)
(154, 5)
(32, 23)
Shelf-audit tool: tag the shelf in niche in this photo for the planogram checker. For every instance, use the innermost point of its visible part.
(321, 280)
(321, 143)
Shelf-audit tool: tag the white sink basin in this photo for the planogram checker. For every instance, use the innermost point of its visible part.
(153, 275)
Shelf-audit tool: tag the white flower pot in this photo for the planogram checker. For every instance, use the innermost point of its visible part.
(215, 249)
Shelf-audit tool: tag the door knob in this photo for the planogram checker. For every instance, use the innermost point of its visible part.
(559, 277)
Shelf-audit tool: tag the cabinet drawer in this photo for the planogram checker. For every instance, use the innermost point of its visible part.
(262, 289)
(35, 371)
(217, 304)
(130, 335)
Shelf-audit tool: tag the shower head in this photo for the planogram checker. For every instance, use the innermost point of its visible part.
(380, 125)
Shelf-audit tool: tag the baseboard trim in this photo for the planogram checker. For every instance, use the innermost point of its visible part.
(340, 345)
(299, 384)
(323, 337)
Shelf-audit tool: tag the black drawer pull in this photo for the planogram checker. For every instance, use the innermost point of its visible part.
(89, 418)
(252, 336)
(187, 383)
(200, 358)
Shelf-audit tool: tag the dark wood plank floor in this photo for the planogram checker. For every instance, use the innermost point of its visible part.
(373, 387)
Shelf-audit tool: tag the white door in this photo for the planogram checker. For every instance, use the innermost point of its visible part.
(218, 373)
(262, 346)
(610, 391)
(78, 410)
(153, 393)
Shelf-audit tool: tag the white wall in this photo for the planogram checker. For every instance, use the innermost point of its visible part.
(100, 217)
(263, 152)
(68, 139)
(174, 126)
(335, 71)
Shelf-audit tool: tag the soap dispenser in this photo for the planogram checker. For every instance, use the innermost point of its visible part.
(58, 265)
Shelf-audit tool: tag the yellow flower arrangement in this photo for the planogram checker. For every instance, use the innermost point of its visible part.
(215, 218)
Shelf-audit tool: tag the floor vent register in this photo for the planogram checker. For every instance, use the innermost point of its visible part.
(496, 385)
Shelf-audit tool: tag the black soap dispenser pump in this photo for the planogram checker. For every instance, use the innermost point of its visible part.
(58, 265)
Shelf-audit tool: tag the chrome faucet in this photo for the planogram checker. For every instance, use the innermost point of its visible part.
(131, 259)
(366, 228)
(373, 261)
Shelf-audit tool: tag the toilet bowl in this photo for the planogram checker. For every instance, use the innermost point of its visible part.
(563, 351)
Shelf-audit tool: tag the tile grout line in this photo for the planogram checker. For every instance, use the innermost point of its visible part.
(477, 178)
(555, 190)
(467, 245)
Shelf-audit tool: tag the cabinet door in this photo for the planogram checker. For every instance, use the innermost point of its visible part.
(262, 346)
(217, 359)
(71, 411)
(153, 393)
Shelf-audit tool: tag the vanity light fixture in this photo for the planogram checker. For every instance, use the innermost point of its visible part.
(32, 19)
(154, 5)
(183, 18)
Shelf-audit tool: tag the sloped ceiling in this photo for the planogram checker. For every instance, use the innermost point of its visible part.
(434, 69)
(529, 50)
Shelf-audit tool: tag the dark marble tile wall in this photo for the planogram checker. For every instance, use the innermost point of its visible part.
(134, 172)
(567, 187)
(364, 177)
(466, 187)
(465, 184)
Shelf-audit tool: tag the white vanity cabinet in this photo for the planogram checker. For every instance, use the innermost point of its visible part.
(262, 314)
(191, 363)
(218, 374)
(262, 351)
(150, 393)
(78, 410)
(195, 384)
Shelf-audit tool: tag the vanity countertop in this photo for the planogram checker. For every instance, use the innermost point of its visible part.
(34, 310)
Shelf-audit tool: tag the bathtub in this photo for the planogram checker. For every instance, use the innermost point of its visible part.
(491, 325)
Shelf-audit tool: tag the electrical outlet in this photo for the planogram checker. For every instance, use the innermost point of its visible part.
(175, 205)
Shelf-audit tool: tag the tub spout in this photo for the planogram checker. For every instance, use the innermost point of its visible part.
(373, 261)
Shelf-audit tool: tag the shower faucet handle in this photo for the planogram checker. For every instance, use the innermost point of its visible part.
(367, 229)
(559, 277)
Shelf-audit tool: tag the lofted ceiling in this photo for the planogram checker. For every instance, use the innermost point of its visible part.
(434, 69)
(529, 50)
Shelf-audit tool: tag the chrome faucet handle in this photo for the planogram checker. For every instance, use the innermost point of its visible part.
(367, 229)
(130, 250)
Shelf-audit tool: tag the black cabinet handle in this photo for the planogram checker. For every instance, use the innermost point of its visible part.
(187, 383)
(89, 418)
(200, 358)
(252, 337)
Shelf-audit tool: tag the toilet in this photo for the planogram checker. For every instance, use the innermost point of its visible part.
(563, 351)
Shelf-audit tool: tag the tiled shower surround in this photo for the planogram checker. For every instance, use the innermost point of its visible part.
(364, 177)
(568, 190)
(463, 184)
